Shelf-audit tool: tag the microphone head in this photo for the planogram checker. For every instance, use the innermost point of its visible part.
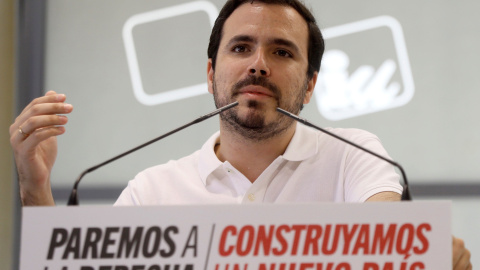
(406, 196)
(73, 200)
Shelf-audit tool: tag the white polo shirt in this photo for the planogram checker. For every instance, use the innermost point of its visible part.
(314, 168)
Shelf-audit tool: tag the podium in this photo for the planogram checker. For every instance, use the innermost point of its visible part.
(324, 236)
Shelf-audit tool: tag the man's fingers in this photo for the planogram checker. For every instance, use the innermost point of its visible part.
(42, 134)
(24, 120)
(48, 108)
(35, 124)
(457, 245)
(461, 255)
(50, 97)
(464, 261)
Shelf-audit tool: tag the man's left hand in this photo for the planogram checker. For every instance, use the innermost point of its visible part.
(461, 255)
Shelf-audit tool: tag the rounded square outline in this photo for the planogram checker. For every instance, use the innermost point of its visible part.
(160, 14)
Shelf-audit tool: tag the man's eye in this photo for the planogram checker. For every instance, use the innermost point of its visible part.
(283, 53)
(239, 48)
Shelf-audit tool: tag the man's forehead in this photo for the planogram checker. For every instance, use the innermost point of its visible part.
(272, 20)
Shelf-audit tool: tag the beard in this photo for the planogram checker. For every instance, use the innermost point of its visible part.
(254, 127)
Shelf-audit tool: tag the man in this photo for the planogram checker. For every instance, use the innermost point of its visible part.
(263, 54)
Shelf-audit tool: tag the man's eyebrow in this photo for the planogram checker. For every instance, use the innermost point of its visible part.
(287, 43)
(240, 38)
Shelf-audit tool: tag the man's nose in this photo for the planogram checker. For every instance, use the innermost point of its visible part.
(259, 66)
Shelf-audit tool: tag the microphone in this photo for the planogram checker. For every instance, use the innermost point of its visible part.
(73, 200)
(406, 196)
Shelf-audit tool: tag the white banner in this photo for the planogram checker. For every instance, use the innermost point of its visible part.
(369, 236)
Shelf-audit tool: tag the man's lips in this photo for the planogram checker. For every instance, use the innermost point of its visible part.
(254, 90)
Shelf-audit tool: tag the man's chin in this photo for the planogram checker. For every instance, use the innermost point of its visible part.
(254, 126)
(250, 120)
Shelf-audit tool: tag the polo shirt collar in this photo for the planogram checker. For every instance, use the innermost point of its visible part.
(303, 145)
(208, 161)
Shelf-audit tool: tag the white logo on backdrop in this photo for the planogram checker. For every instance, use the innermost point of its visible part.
(338, 93)
(367, 89)
(156, 15)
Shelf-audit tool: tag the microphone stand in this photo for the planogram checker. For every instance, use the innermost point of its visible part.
(73, 200)
(406, 196)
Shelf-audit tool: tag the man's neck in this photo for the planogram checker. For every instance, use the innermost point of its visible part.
(251, 157)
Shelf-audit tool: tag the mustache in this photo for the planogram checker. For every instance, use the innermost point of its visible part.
(260, 81)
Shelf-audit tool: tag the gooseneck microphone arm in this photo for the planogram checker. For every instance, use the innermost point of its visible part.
(73, 200)
(406, 196)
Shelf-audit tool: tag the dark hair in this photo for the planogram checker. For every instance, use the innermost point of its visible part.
(316, 45)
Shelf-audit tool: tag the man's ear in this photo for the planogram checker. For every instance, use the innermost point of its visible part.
(210, 73)
(310, 88)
